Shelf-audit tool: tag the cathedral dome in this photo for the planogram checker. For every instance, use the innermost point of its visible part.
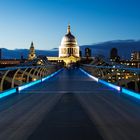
(68, 39)
(69, 46)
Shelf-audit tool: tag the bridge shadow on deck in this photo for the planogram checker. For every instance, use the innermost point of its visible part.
(66, 121)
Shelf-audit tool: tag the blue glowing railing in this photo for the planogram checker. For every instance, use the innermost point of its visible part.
(22, 87)
(135, 70)
(24, 67)
(28, 85)
(7, 92)
(110, 85)
(91, 76)
(120, 89)
(130, 93)
(101, 81)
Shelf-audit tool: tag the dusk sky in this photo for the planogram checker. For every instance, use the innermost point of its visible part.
(45, 21)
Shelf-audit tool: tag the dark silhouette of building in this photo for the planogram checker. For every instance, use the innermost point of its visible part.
(87, 52)
(80, 53)
(0, 54)
(114, 54)
(21, 56)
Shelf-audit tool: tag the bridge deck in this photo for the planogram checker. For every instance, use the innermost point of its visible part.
(69, 106)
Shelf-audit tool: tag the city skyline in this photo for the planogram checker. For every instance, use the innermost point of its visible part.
(45, 22)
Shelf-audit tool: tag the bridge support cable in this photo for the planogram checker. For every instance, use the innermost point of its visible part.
(29, 74)
(3, 78)
(35, 72)
(23, 75)
(42, 74)
(13, 78)
(39, 72)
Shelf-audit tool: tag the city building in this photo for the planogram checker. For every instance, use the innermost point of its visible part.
(32, 54)
(0, 54)
(69, 51)
(134, 62)
(87, 52)
(9, 62)
(113, 54)
(69, 46)
(135, 56)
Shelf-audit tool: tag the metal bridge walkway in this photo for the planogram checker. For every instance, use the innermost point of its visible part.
(69, 106)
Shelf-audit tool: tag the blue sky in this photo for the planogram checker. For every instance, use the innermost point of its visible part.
(45, 21)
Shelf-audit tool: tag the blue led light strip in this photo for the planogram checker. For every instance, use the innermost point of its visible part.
(102, 81)
(122, 90)
(51, 75)
(37, 81)
(131, 93)
(11, 91)
(110, 85)
(28, 85)
(89, 75)
(7, 92)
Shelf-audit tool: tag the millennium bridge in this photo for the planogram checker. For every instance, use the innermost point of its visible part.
(77, 103)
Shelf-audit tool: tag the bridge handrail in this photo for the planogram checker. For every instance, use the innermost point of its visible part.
(136, 70)
(24, 67)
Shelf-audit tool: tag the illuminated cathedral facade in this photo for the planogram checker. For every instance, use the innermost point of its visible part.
(69, 50)
(69, 46)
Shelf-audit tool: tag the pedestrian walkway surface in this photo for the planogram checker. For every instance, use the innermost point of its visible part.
(69, 106)
(66, 121)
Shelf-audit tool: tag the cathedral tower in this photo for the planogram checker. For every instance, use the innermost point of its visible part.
(32, 54)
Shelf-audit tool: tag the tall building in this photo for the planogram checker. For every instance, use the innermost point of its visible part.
(135, 56)
(69, 46)
(32, 54)
(87, 52)
(113, 54)
(0, 54)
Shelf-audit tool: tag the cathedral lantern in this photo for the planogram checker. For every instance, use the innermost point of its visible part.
(69, 46)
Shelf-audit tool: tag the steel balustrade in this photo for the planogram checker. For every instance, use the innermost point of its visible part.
(16, 76)
(116, 75)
